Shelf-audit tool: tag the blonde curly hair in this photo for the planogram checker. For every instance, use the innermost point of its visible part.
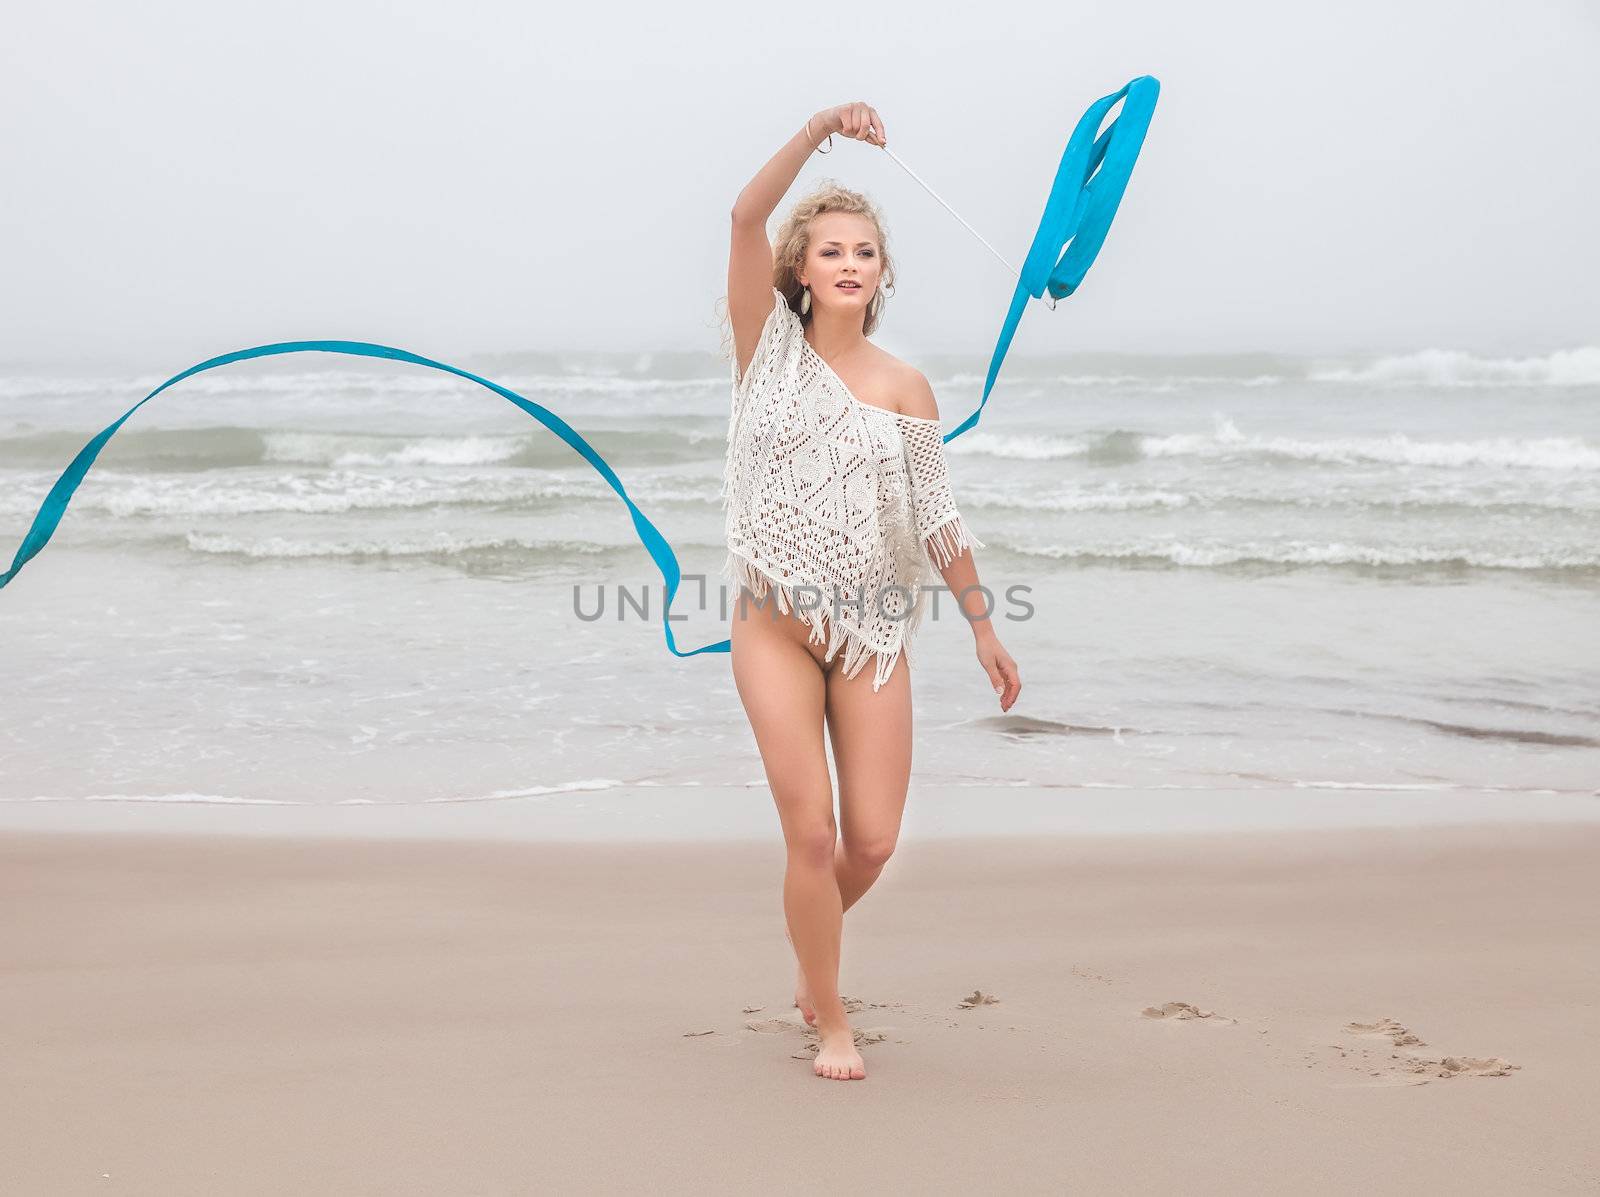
(794, 238)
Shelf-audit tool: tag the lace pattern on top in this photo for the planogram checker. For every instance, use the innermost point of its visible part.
(835, 507)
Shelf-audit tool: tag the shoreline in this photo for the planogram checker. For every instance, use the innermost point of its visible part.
(731, 814)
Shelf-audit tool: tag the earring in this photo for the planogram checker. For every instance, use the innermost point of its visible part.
(805, 301)
(876, 305)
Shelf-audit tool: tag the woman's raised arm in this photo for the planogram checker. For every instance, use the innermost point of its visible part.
(750, 253)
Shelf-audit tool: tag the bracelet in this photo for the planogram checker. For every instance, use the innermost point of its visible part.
(817, 146)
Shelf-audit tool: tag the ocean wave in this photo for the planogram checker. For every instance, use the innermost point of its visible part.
(443, 546)
(406, 380)
(1443, 500)
(1127, 446)
(133, 495)
(701, 373)
(186, 450)
(172, 449)
(1020, 448)
(1301, 553)
(1023, 371)
(1537, 453)
(325, 449)
(1454, 368)
(1443, 368)
(1084, 501)
(470, 552)
(534, 449)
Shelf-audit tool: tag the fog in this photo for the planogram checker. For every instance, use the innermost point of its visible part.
(188, 178)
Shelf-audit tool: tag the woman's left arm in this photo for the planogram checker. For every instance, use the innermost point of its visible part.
(945, 536)
(961, 576)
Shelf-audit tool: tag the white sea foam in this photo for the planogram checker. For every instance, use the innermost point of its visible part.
(1538, 453)
(1153, 380)
(1301, 493)
(443, 545)
(128, 495)
(1023, 448)
(1454, 368)
(1147, 500)
(406, 379)
(346, 451)
(1304, 553)
(1225, 440)
(569, 787)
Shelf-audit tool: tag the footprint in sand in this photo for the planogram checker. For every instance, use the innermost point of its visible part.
(783, 1026)
(1387, 1066)
(1184, 1011)
(774, 1026)
(1396, 1033)
(1085, 974)
(1472, 1066)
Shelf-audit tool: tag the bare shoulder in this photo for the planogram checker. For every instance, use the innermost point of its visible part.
(913, 392)
(896, 386)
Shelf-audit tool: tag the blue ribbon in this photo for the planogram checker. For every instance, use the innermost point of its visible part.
(55, 503)
(1088, 186)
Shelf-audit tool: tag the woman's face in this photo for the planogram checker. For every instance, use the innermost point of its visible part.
(843, 250)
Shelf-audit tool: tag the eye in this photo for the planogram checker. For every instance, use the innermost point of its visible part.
(867, 253)
(827, 253)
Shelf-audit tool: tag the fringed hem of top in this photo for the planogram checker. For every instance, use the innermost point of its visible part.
(950, 539)
(742, 570)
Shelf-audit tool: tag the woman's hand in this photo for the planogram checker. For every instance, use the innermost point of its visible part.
(1002, 670)
(859, 120)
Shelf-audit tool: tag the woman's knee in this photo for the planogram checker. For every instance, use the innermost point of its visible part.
(871, 852)
(812, 846)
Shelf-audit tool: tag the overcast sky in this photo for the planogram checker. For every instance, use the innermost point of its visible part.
(186, 178)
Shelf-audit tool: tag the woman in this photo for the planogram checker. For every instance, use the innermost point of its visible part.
(837, 500)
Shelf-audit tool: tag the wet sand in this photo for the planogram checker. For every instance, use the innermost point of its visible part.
(1329, 1011)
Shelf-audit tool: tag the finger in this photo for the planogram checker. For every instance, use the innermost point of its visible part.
(882, 135)
(853, 128)
(1013, 683)
(996, 680)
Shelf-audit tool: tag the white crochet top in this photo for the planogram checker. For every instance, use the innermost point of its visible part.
(834, 502)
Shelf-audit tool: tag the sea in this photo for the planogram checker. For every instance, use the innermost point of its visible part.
(320, 580)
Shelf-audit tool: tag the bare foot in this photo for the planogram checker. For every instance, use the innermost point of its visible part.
(837, 1057)
(802, 991)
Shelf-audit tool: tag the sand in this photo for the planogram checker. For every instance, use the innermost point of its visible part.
(1355, 1010)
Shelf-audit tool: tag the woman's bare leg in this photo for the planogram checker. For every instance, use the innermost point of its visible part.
(781, 683)
(871, 735)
